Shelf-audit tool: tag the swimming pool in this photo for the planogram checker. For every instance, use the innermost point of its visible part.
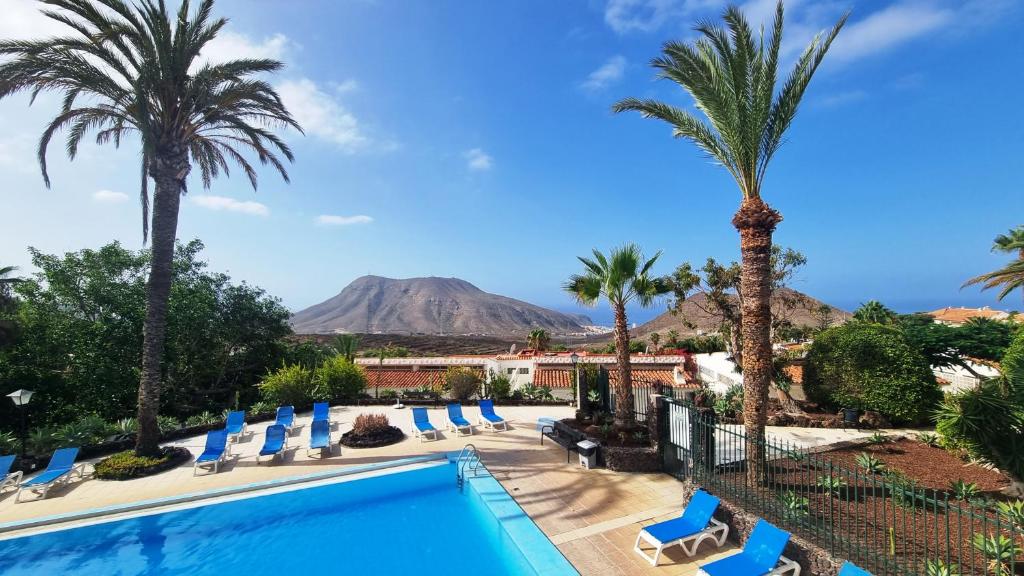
(414, 521)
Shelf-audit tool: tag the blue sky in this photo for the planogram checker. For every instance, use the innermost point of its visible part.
(474, 139)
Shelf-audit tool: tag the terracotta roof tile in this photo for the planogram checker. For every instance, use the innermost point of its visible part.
(398, 378)
(552, 377)
(962, 315)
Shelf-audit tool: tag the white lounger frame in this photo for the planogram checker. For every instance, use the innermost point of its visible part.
(492, 425)
(279, 452)
(716, 531)
(12, 480)
(214, 463)
(42, 489)
(453, 428)
(329, 448)
(421, 433)
(242, 434)
(787, 566)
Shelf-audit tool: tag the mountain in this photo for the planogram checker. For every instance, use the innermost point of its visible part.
(692, 318)
(432, 305)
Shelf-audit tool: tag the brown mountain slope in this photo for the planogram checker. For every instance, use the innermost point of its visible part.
(374, 304)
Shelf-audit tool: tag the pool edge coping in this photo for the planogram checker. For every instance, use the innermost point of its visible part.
(191, 497)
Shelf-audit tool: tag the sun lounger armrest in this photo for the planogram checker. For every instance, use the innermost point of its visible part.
(787, 567)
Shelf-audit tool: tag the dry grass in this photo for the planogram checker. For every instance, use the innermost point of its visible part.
(368, 424)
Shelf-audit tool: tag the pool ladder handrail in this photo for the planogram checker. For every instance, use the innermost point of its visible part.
(469, 457)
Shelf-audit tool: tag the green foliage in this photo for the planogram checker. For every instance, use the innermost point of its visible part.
(262, 407)
(904, 491)
(462, 383)
(538, 339)
(124, 465)
(388, 394)
(929, 438)
(8, 443)
(42, 441)
(338, 378)
(83, 432)
(831, 484)
(499, 387)
(794, 506)
(1012, 511)
(388, 351)
(870, 463)
(80, 331)
(940, 568)
(306, 353)
(126, 426)
(346, 345)
(167, 424)
(964, 490)
(872, 367)
(203, 419)
(1000, 550)
(536, 393)
(594, 396)
(878, 438)
(874, 312)
(288, 386)
(702, 344)
(730, 403)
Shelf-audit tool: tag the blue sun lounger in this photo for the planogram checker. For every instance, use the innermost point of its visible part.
(321, 411)
(320, 437)
(456, 421)
(849, 569)
(694, 526)
(488, 418)
(8, 478)
(58, 471)
(285, 417)
(214, 452)
(275, 441)
(421, 424)
(236, 426)
(761, 556)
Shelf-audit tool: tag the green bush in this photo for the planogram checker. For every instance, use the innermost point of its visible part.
(203, 419)
(462, 383)
(167, 424)
(338, 378)
(8, 442)
(83, 432)
(125, 465)
(871, 367)
(289, 385)
(500, 387)
(42, 441)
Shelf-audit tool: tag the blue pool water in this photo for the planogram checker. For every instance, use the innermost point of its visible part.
(412, 522)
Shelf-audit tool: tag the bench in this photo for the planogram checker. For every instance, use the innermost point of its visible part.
(564, 436)
(421, 395)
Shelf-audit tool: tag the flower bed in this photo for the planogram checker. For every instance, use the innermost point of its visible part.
(126, 465)
(371, 431)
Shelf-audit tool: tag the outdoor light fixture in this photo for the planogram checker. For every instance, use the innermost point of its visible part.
(21, 397)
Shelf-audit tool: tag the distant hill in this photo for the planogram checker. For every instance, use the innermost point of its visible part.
(691, 312)
(374, 304)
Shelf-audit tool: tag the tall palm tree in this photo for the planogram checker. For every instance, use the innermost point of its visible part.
(538, 339)
(875, 312)
(732, 78)
(622, 277)
(133, 69)
(1011, 276)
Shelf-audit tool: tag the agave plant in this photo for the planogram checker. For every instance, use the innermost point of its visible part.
(167, 424)
(964, 490)
(126, 426)
(904, 491)
(793, 505)
(203, 419)
(832, 484)
(41, 441)
(870, 463)
(999, 549)
(877, 438)
(7, 442)
(940, 568)
(261, 407)
(929, 438)
(1012, 511)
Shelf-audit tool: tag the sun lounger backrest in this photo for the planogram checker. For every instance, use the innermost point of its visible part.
(236, 419)
(321, 411)
(849, 569)
(319, 429)
(765, 545)
(216, 440)
(419, 416)
(5, 465)
(455, 411)
(63, 459)
(275, 434)
(701, 508)
(487, 406)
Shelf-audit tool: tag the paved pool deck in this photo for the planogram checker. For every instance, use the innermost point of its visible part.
(592, 516)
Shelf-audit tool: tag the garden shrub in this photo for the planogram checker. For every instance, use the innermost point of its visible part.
(8, 442)
(203, 419)
(462, 383)
(85, 431)
(500, 387)
(370, 424)
(338, 378)
(167, 424)
(288, 386)
(871, 367)
(126, 464)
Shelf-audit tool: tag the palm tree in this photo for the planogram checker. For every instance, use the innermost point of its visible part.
(347, 345)
(732, 77)
(622, 277)
(1011, 276)
(875, 312)
(125, 69)
(538, 339)
(655, 338)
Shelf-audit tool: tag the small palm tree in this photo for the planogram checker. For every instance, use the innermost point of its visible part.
(875, 312)
(622, 277)
(347, 345)
(655, 339)
(1011, 276)
(732, 75)
(538, 339)
(133, 69)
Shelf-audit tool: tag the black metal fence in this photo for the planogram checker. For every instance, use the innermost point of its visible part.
(876, 518)
(642, 392)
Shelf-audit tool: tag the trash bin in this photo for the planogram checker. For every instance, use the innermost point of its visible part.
(588, 453)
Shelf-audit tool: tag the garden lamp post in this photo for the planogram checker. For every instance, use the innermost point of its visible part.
(574, 358)
(21, 399)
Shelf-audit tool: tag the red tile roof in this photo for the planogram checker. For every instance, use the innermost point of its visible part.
(408, 378)
(962, 315)
(650, 377)
(553, 377)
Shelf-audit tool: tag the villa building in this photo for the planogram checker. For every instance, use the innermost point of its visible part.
(952, 316)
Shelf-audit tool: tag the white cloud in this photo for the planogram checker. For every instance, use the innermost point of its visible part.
(332, 220)
(230, 45)
(231, 205)
(478, 160)
(889, 27)
(350, 85)
(321, 115)
(23, 20)
(648, 15)
(110, 197)
(609, 73)
(841, 98)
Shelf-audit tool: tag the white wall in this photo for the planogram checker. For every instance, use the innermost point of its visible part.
(717, 371)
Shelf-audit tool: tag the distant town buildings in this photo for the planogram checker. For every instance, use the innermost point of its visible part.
(957, 316)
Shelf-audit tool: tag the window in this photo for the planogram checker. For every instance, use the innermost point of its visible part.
(510, 371)
(524, 370)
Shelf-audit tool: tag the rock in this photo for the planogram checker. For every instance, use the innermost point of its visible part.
(871, 419)
(780, 419)
(833, 422)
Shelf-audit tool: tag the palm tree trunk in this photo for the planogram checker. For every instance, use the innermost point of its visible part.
(736, 341)
(756, 222)
(624, 416)
(168, 176)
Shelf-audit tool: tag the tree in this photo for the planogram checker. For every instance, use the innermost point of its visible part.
(538, 340)
(622, 277)
(346, 345)
(124, 69)
(874, 312)
(824, 315)
(655, 339)
(8, 327)
(1009, 277)
(732, 77)
(1012, 241)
